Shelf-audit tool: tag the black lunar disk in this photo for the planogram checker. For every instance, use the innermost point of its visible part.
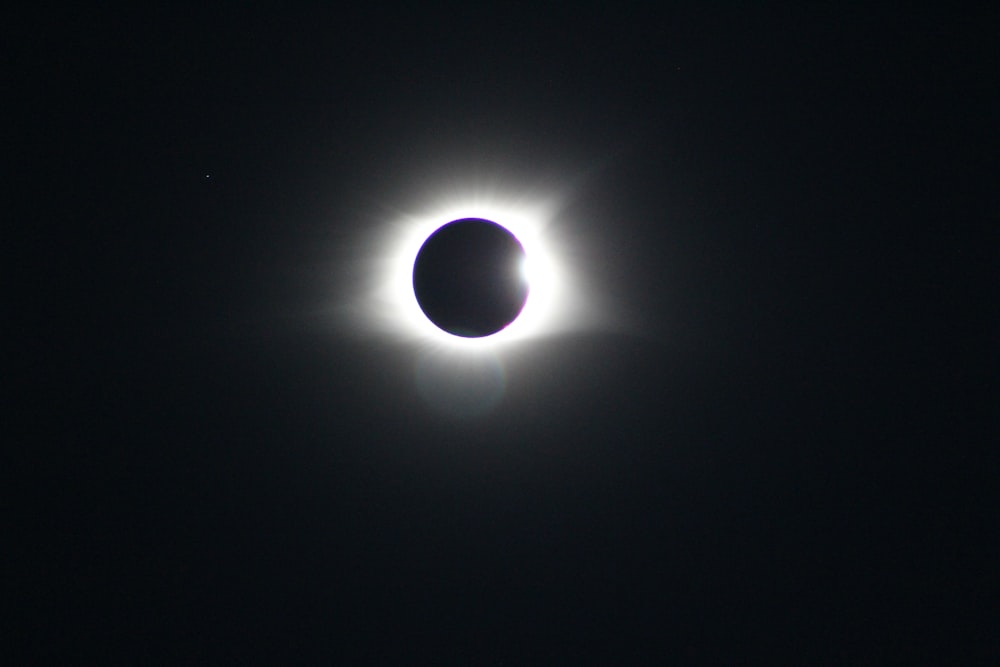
(468, 278)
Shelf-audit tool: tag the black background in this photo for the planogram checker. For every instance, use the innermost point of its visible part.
(783, 449)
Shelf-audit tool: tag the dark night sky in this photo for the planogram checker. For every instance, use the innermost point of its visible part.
(778, 445)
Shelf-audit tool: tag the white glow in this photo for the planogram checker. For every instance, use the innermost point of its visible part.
(555, 301)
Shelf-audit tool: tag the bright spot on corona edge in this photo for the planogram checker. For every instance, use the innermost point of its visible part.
(556, 302)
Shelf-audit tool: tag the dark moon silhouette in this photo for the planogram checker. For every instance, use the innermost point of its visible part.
(468, 279)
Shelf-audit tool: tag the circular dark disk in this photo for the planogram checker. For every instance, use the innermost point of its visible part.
(468, 278)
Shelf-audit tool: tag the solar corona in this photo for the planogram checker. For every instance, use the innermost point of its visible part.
(473, 274)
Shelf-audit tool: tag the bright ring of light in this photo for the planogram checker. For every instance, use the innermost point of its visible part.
(552, 306)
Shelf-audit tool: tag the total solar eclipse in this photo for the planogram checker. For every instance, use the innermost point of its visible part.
(469, 278)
